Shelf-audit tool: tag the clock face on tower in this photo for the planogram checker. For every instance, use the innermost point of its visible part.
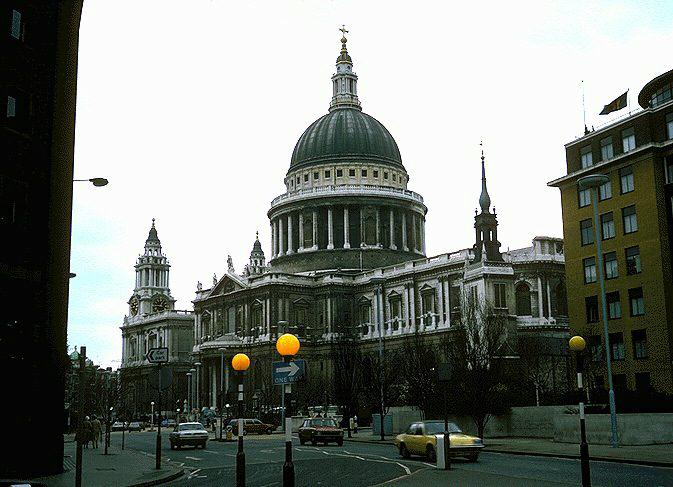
(159, 305)
(134, 306)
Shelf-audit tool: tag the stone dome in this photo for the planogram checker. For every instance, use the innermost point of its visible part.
(346, 134)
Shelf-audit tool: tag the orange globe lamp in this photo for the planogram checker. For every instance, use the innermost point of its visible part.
(240, 362)
(287, 345)
(577, 343)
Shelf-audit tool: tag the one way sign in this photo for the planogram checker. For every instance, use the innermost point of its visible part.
(288, 372)
(158, 355)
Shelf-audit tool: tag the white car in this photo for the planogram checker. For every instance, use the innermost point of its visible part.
(193, 434)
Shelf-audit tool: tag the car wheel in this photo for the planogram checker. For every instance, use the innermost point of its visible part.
(177, 446)
(430, 453)
(403, 451)
(268, 431)
(172, 446)
(203, 445)
(473, 457)
(313, 442)
(302, 442)
(340, 442)
(245, 432)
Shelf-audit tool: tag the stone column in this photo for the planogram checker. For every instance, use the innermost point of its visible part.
(414, 233)
(405, 303)
(375, 303)
(404, 232)
(548, 298)
(412, 305)
(300, 248)
(440, 304)
(423, 235)
(363, 234)
(347, 243)
(329, 315)
(539, 298)
(274, 239)
(281, 231)
(315, 230)
(447, 301)
(330, 229)
(290, 250)
(378, 227)
(392, 230)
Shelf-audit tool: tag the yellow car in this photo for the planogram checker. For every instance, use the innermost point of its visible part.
(421, 439)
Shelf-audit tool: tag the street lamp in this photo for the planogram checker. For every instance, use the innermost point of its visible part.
(577, 345)
(98, 182)
(152, 420)
(197, 389)
(288, 345)
(177, 416)
(240, 364)
(221, 403)
(188, 401)
(378, 296)
(192, 395)
(592, 183)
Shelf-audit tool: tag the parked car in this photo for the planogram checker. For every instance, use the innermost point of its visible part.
(168, 423)
(118, 426)
(135, 426)
(192, 434)
(252, 426)
(321, 430)
(421, 439)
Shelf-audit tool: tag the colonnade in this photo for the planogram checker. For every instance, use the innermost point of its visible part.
(347, 226)
(132, 352)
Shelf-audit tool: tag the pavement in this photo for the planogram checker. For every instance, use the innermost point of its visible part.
(120, 468)
(651, 455)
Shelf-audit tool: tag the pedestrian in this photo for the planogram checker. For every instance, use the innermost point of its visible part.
(87, 432)
(355, 423)
(96, 431)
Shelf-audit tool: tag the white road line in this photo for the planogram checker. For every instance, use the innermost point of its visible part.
(210, 451)
(406, 469)
(433, 465)
(194, 458)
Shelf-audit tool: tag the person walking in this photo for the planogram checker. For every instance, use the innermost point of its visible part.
(355, 423)
(97, 431)
(87, 432)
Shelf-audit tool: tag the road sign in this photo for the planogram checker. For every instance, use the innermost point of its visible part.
(166, 377)
(158, 355)
(288, 372)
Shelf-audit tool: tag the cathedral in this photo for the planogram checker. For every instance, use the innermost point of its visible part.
(348, 253)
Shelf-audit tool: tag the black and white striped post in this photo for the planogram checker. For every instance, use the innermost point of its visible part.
(577, 345)
(288, 345)
(240, 364)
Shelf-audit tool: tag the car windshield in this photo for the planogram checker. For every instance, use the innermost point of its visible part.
(190, 426)
(322, 422)
(435, 428)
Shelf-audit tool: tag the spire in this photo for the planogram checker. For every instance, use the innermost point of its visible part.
(257, 246)
(153, 237)
(257, 263)
(344, 81)
(484, 198)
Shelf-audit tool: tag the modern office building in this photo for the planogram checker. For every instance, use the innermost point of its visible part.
(636, 228)
(38, 86)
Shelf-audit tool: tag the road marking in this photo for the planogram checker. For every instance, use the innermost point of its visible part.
(406, 469)
(194, 458)
(210, 451)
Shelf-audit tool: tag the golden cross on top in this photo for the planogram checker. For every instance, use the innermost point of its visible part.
(343, 30)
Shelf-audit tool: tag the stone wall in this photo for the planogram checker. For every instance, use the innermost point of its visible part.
(632, 429)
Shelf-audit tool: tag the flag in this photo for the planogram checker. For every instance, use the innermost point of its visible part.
(616, 104)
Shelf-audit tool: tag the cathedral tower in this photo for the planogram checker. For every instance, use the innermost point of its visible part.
(486, 247)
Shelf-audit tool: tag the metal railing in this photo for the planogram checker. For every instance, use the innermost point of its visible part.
(355, 189)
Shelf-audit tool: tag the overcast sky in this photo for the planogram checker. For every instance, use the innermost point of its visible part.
(192, 108)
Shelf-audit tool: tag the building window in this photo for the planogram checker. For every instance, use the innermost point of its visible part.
(364, 173)
(606, 149)
(619, 381)
(661, 96)
(376, 173)
(11, 106)
(394, 177)
(316, 175)
(306, 178)
(636, 301)
(617, 346)
(586, 157)
(328, 174)
(611, 270)
(17, 27)
(298, 180)
(523, 305)
(639, 340)
(584, 197)
(589, 270)
(643, 381)
(614, 305)
(351, 173)
(595, 348)
(669, 125)
(632, 260)
(591, 305)
(629, 219)
(626, 179)
(628, 139)
(500, 295)
(385, 175)
(669, 169)
(340, 173)
(607, 226)
(605, 191)
(587, 232)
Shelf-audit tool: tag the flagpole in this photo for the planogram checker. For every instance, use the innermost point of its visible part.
(584, 111)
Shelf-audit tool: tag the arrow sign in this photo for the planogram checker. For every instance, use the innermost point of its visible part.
(157, 355)
(288, 372)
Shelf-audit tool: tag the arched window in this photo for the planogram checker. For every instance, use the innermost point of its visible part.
(561, 300)
(523, 300)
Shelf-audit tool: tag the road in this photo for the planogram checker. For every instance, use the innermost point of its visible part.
(366, 464)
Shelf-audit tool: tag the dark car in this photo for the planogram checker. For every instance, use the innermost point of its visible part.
(135, 426)
(252, 426)
(188, 434)
(168, 423)
(321, 430)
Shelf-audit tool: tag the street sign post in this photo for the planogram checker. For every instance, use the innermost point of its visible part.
(157, 355)
(444, 376)
(288, 372)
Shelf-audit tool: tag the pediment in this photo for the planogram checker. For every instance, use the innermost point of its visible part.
(228, 283)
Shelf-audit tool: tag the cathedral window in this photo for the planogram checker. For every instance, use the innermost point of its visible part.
(328, 174)
(385, 175)
(364, 173)
(339, 173)
(316, 175)
(523, 304)
(351, 173)
(375, 173)
(306, 178)
(500, 291)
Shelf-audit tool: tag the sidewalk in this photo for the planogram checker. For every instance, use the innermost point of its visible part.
(120, 468)
(653, 455)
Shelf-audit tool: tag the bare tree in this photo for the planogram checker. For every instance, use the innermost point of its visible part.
(420, 375)
(347, 374)
(477, 350)
(535, 365)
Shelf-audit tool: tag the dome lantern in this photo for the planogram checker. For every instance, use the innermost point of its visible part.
(344, 81)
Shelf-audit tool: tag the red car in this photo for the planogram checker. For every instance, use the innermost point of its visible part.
(321, 430)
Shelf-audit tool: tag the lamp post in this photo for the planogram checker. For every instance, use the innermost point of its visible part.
(107, 429)
(197, 389)
(378, 296)
(192, 395)
(240, 364)
(592, 183)
(188, 401)
(577, 345)
(152, 420)
(184, 409)
(288, 345)
(221, 390)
